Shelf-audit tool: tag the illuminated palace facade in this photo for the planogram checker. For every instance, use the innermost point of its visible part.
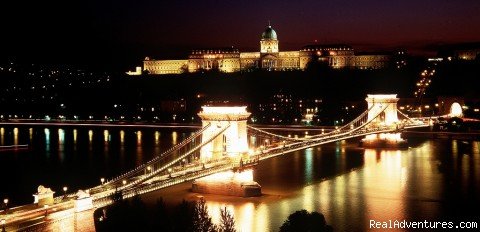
(270, 57)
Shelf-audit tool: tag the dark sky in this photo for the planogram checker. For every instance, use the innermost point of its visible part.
(122, 32)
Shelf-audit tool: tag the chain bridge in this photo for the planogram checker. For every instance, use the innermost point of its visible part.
(226, 144)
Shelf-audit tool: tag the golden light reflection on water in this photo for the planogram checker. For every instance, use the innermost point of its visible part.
(61, 136)
(106, 136)
(75, 136)
(139, 159)
(2, 136)
(247, 214)
(157, 137)
(30, 134)
(90, 136)
(157, 143)
(454, 147)
(385, 200)
(122, 137)
(248, 217)
(139, 138)
(174, 137)
(475, 148)
(15, 136)
(61, 144)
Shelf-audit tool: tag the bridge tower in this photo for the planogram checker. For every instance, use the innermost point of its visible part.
(383, 113)
(231, 143)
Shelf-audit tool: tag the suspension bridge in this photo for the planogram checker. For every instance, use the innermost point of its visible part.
(225, 143)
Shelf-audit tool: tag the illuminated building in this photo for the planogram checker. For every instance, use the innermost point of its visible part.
(467, 54)
(270, 57)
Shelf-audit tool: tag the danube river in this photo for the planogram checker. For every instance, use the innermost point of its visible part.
(432, 180)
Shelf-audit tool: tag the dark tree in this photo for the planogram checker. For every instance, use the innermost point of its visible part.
(162, 220)
(227, 222)
(183, 217)
(124, 215)
(303, 221)
(202, 222)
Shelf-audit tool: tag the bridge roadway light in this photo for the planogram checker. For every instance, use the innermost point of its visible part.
(124, 182)
(3, 225)
(148, 169)
(102, 180)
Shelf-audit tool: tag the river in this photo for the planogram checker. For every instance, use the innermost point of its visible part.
(434, 179)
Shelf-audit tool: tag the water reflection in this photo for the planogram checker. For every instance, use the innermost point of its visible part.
(61, 144)
(15, 136)
(106, 136)
(122, 147)
(47, 141)
(90, 136)
(106, 140)
(2, 136)
(174, 137)
(30, 134)
(75, 139)
(157, 142)
(253, 142)
(122, 137)
(90, 141)
(247, 213)
(309, 165)
(139, 156)
(157, 137)
(75, 136)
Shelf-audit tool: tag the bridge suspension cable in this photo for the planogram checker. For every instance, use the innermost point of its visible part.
(274, 135)
(157, 159)
(142, 178)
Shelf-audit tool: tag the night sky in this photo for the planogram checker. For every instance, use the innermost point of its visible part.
(120, 33)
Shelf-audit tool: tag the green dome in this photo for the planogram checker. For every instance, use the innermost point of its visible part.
(269, 33)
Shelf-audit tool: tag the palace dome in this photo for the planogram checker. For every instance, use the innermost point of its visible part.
(269, 33)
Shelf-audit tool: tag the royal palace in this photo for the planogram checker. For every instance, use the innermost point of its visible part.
(270, 57)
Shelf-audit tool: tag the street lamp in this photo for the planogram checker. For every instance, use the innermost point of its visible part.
(124, 182)
(65, 191)
(102, 180)
(5, 201)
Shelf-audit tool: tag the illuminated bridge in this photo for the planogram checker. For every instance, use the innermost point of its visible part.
(224, 144)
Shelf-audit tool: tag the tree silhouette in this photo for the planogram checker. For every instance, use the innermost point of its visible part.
(202, 222)
(227, 222)
(162, 220)
(183, 216)
(303, 221)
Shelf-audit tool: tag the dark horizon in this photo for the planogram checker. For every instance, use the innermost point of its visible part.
(121, 33)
